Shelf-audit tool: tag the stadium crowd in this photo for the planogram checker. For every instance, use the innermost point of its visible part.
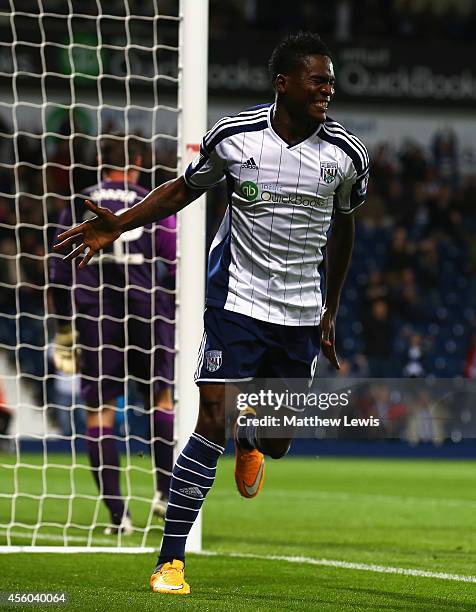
(407, 305)
(409, 298)
(412, 280)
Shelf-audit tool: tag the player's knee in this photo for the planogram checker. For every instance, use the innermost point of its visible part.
(101, 416)
(163, 399)
(211, 418)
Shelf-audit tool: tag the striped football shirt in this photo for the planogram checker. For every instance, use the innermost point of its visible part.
(265, 258)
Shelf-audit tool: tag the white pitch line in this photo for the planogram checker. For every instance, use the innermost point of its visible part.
(136, 550)
(58, 538)
(381, 569)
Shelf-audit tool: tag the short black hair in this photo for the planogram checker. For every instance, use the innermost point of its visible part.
(119, 151)
(289, 52)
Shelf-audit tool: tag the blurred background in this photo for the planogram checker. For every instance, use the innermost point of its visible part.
(406, 85)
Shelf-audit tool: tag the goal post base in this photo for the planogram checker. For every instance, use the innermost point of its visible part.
(78, 549)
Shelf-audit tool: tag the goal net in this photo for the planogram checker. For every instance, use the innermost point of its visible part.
(74, 73)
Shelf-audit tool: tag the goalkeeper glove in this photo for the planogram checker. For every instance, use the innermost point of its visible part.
(65, 357)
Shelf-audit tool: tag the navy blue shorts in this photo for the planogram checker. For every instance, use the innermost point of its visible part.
(237, 347)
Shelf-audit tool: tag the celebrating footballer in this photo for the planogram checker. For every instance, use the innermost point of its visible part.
(292, 173)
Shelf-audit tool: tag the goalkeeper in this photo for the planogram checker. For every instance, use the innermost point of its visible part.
(123, 312)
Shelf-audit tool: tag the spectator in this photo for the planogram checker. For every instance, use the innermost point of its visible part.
(400, 254)
(413, 367)
(378, 338)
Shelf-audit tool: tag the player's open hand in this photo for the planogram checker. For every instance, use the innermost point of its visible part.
(328, 326)
(92, 235)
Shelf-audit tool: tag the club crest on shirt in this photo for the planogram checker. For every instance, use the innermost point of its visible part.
(213, 360)
(329, 171)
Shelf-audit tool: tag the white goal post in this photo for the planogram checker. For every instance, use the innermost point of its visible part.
(30, 119)
(193, 86)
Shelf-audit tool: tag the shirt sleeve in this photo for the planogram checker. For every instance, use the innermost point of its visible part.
(352, 192)
(207, 169)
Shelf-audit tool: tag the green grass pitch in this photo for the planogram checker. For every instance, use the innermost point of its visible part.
(400, 513)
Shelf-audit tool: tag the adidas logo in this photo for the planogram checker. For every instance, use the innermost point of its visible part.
(250, 164)
(192, 491)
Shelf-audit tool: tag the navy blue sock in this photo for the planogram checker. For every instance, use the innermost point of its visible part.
(192, 477)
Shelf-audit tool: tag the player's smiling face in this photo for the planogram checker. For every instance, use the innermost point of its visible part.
(308, 89)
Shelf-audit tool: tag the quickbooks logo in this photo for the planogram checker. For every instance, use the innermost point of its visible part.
(249, 191)
(296, 199)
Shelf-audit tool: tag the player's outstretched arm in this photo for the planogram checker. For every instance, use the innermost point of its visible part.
(339, 253)
(95, 234)
(92, 235)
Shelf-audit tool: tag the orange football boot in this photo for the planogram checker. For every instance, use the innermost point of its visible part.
(170, 578)
(249, 467)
